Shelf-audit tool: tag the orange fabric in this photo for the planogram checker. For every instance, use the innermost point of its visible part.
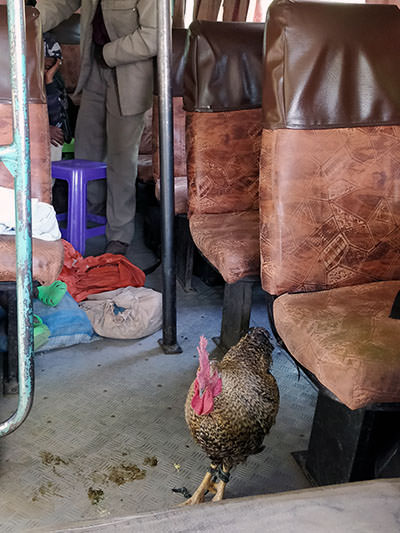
(346, 339)
(91, 275)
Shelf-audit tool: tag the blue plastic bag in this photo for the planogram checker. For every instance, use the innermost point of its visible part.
(68, 324)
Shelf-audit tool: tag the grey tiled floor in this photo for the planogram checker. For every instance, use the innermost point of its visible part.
(112, 403)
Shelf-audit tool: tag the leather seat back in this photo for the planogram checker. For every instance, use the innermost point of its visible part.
(177, 70)
(38, 115)
(47, 256)
(222, 98)
(330, 160)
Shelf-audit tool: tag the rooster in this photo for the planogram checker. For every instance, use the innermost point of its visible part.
(230, 407)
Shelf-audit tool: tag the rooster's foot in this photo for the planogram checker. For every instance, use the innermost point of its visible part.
(223, 475)
(207, 485)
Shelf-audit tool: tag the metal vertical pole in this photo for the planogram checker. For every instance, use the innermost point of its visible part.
(16, 156)
(169, 341)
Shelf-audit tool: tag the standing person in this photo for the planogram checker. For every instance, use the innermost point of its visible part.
(118, 43)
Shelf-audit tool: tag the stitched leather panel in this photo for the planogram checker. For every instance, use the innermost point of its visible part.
(146, 142)
(69, 30)
(70, 66)
(47, 259)
(331, 65)
(144, 168)
(222, 160)
(223, 66)
(34, 57)
(40, 149)
(330, 207)
(177, 61)
(179, 138)
(346, 339)
(230, 242)
(181, 195)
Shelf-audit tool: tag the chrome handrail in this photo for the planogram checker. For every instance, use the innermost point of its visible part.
(16, 157)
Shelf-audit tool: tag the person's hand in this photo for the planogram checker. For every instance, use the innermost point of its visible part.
(50, 73)
(56, 136)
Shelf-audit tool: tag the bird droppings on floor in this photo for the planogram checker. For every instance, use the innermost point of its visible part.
(46, 489)
(150, 461)
(95, 495)
(122, 474)
(50, 459)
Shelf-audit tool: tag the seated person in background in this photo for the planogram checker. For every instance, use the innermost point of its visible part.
(57, 100)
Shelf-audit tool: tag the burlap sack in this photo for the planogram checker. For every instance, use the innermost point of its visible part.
(127, 313)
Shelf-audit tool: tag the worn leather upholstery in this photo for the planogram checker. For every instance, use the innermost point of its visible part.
(145, 159)
(222, 99)
(41, 185)
(330, 207)
(224, 66)
(345, 337)
(223, 161)
(47, 256)
(231, 240)
(330, 193)
(315, 78)
(180, 174)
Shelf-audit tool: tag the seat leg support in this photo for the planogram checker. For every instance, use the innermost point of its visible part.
(184, 253)
(235, 313)
(347, 445)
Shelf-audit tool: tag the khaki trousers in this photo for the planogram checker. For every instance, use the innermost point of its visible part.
(103, 134)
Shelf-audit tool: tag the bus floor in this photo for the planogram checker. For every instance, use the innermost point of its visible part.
(106, 436)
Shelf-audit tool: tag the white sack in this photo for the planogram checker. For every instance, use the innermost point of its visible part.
(44, 220)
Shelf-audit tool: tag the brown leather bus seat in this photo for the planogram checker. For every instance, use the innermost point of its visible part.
(68, 34)
(330, 216)
(222, 99)
(47, 256)
(180, 173)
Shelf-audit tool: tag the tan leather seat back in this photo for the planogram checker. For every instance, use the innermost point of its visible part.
(330, 159)
(38, 115)
(222, 98)
(177, 69)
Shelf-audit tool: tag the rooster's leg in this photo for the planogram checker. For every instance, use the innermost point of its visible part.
(206, 485)
(220, 486)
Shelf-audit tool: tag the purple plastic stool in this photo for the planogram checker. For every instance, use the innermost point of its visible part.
(78, 172)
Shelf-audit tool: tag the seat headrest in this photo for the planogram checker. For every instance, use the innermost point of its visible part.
(331, 65)
(69, 31)
(223, 66)
(34, 57)
(178, 61)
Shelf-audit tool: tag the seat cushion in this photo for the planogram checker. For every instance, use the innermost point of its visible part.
(230, 242)
(181, 194)
(345, 337)
(47, 259)
(144, 168)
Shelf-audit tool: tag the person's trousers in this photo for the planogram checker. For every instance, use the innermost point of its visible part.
(103, 134)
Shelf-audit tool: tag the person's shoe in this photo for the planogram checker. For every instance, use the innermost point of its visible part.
(116, 248)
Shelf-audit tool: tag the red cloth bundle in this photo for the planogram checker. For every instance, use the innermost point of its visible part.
(91, 275)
